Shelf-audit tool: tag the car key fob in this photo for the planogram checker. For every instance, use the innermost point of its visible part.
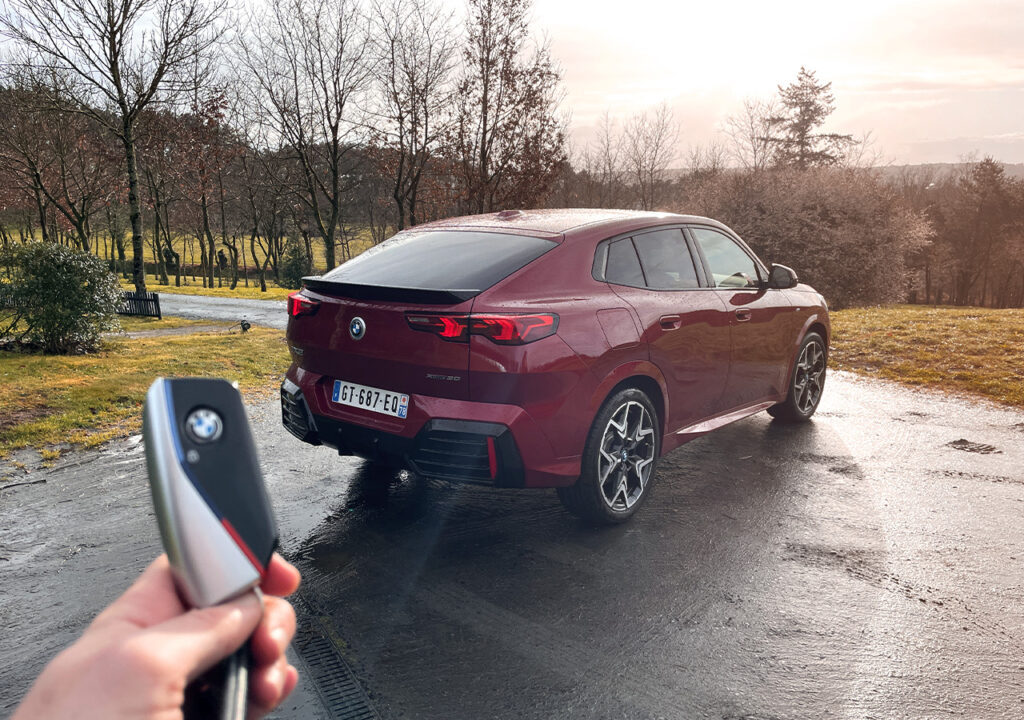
(213, 511)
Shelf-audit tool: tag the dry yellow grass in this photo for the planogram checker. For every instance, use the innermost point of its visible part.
(970, 350)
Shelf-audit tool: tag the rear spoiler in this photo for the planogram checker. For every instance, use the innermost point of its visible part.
(417, 296)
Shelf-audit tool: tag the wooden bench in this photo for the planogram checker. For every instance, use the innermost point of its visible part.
(146, 304)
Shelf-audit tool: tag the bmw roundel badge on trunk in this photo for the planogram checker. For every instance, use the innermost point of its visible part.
(357, 328)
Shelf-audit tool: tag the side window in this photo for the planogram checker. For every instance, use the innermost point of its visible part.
(623, 266)
(730, 265)
(666, 260)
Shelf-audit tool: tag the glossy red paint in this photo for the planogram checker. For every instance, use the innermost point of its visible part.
(704, 355)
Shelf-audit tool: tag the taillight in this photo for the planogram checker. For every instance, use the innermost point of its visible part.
(453, 328)
(299, 304)
(513, 329)
(503, 329)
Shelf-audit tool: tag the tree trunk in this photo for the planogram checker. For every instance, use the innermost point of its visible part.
(328, 249)
(37, 189)
(208, 237)
(134, 209)
(161, 266)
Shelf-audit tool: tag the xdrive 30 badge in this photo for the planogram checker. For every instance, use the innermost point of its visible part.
(357, 328)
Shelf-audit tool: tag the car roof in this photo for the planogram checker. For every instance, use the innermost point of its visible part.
(569, 223)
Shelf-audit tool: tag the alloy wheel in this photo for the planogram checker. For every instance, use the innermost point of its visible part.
(626, 456)
(809, 377)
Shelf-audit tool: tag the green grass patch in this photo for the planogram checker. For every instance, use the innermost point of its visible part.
(86, 400)
(970, 350)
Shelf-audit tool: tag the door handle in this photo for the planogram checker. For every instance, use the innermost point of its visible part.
(743, 315)
(670, 322)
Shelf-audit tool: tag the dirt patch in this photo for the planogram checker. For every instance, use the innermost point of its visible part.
(23, 415)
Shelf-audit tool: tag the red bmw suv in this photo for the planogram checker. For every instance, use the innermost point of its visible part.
(550, 348)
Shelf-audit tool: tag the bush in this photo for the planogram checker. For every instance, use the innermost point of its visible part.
(843, 230)
(295, 264)
(55, 298)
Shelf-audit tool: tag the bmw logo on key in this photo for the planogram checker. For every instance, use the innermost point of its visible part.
(204, 425)
(357, 328)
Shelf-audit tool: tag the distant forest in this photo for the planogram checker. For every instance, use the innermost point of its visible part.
(151, 134)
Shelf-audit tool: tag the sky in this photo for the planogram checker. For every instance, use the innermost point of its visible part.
(931, 81)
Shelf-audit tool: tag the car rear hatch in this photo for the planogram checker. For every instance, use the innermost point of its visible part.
(382, 320)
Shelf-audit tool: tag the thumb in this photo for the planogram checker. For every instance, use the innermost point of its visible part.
(198, 639)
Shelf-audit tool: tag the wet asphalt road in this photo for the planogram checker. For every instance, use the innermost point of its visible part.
(867, 565)
(271, 313)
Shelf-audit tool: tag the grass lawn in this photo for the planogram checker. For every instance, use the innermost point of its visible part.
(85, 400)
(188, 287)
(971, 350)
(134, 324)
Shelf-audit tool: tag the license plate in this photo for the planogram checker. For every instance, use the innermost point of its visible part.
(370, 398)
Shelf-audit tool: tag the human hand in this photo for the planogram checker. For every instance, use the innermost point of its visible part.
(135, 659)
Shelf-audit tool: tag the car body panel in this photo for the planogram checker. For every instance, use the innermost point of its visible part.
(702, 363)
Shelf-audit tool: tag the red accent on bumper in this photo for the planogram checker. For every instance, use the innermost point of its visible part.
(492, 458)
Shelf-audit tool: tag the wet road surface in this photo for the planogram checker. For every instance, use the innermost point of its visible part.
(867, 565)
(270, 313)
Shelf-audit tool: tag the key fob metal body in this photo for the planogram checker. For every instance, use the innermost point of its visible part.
(211, 505)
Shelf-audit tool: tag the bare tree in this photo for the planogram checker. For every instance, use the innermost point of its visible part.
(508, 141)
(118, 56)
(415, 48)
(749, 133)
(60, 158)
(649, 146)
(609, 162)
(307, 63)
(24, 155)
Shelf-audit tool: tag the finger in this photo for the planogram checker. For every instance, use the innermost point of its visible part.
(150, 600)
(198, 639)
(274, 633)
(281, 578)
(269, 686)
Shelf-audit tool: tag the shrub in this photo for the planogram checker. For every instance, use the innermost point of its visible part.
(295, 264)
(843, 230)
(56, 299)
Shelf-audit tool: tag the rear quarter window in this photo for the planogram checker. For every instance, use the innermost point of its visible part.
(623, 265)
(442, 260)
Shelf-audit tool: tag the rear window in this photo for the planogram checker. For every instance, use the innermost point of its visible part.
(441, 260)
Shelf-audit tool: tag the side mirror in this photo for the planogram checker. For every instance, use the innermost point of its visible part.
(782, 277)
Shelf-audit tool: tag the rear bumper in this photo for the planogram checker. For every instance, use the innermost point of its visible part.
(479, 443)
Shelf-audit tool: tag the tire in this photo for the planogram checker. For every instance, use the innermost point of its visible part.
(807, 382)
(613, 485)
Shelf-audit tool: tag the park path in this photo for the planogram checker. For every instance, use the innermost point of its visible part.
(270, 313)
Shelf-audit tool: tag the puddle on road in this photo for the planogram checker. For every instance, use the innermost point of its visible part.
(974, 447)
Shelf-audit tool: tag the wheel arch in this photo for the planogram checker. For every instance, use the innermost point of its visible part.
(643, 376)
(817, 326)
